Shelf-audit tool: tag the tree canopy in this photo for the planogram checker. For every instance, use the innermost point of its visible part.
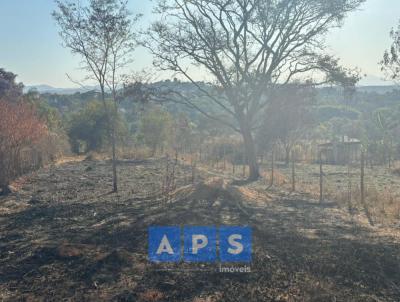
(248, 47)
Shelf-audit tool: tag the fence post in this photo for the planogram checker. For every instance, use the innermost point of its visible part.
(200, 154)
(362, 178)
(321, 181)
(193, 172)
(272, 168)
(224, 154)
(217, 160)
(244, 160)
(350, 188)
(362, 189)
(293, 174)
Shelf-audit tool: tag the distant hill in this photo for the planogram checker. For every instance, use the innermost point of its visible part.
(380, 89)
(50, 89)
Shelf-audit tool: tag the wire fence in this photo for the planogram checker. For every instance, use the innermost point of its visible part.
(373, 191)
(353, 182)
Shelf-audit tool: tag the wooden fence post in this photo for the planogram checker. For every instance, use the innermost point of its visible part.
(199, 154)
(272, 167)
(244, 164)
(362, 178)
(293, 174)
(350, 188)
(193, 172)
(321, 181)
(217, 159)
(362, 189)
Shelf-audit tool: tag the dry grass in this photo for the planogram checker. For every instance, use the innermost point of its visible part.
(280, 179)
(382, 188)
(205, 299)
(382, 204)
(92, 156)
(152, 295)
(134, 153)
(69, 159)
(122, 153)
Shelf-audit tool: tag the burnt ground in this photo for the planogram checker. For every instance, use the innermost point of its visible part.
(63, 236)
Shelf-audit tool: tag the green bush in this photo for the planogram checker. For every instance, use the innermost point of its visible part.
(88, 129)
(155, 128)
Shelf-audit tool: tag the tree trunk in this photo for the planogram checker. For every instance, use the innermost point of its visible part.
(111, 121)
(250, 151)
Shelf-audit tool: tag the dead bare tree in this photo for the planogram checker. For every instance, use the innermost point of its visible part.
(101, 33)
(247, 47)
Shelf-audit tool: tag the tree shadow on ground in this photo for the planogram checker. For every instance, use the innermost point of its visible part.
(97, 250)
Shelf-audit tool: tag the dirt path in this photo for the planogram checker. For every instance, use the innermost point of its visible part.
(62, 236)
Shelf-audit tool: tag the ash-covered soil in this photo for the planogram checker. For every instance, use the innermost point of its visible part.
(64, 237)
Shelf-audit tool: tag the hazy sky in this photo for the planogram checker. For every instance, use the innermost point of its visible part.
(30, 45)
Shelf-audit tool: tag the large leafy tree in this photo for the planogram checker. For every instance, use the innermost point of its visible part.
(246, 47)
(9, 88)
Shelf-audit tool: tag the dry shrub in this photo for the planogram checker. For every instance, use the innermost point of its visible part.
(280, 179)
(396, 171)
(96, 156)
(21, 132)
(383, 204)
(56, 145)
(25, 141)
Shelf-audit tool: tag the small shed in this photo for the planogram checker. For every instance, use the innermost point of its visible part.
(343, 152)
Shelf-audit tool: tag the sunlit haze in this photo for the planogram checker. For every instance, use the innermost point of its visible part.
(32, 48)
